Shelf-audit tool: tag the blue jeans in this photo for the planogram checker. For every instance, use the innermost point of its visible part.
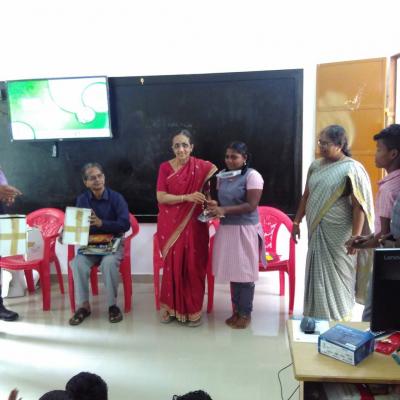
(242, 297)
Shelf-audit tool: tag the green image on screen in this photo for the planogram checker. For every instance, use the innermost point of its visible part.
(63, 108)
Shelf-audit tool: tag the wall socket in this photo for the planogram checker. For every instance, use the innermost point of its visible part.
(54, 150)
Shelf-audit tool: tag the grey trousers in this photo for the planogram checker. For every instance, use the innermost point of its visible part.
(109, 267)
(242, 297)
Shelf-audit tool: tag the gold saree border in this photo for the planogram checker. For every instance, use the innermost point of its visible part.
(181, 317)
(360, 197)
(175, 236)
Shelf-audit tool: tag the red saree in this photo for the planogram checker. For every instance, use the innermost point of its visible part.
(183, 240)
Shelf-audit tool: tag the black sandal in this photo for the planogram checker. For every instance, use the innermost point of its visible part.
(80, 315)
(114, 314)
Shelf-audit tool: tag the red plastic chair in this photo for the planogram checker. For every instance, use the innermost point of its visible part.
(158, 264)
(124, 269)
(49, 222)
(37, 219)
(271, 220)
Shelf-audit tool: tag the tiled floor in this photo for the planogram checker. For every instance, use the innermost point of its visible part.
(142, 359)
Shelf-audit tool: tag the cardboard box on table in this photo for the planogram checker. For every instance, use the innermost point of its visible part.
(346, 344)
(76, 226)
(13, 237)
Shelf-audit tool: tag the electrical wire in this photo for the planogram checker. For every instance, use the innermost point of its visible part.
(279, 378)
(294, 391)
(280, 382)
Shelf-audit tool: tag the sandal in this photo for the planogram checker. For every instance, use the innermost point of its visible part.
(80, 315)
(194, 324)
(114, 314)
(165, 317)
(232, 319)
(242, 322)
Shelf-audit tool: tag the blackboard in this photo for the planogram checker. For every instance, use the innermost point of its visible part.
(263, 109)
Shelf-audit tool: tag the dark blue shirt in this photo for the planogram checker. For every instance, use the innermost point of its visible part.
(111, 208)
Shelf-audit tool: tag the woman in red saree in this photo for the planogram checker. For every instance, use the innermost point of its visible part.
(183, 239)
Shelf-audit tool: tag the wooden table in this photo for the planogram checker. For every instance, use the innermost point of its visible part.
(310, 366)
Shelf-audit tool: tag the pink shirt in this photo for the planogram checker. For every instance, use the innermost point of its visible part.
(389, 188)
(254, 180)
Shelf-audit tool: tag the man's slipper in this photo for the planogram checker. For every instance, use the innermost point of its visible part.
(81, 314)
(114, 314)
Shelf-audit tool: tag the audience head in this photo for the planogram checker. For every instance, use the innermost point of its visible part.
(196, 395)
(56, 395)
(237, 156)
(388, 147)
(336, 135)
(87, 386)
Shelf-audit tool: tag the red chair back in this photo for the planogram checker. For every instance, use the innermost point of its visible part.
(271, 220)
(130, 235)
(48, 221)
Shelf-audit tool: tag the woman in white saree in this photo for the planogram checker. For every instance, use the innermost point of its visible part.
(337, 203)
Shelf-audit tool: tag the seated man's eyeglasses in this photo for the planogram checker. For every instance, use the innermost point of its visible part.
(94, 177)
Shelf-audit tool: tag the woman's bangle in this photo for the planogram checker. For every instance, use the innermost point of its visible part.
(296, 223)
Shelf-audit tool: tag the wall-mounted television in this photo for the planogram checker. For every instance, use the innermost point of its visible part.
(59, 108)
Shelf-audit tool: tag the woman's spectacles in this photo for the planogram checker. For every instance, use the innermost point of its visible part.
(323, 143)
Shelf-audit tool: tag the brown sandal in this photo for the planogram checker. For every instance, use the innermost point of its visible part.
(232, 319)
(80, 315)
(241, 323)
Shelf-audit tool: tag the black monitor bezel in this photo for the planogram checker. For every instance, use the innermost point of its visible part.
(379, 304)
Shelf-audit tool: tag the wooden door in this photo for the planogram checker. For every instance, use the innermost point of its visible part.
(353, 94)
